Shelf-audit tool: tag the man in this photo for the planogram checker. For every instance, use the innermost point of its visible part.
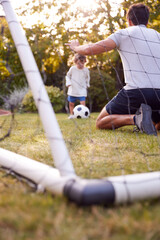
(138, 103)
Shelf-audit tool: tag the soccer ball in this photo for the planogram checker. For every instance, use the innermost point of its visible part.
(81, 111)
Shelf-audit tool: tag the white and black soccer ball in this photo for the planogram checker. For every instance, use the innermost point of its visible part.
(81, 111)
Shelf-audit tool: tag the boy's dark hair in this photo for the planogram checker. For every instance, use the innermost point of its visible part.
(138, 14)
(79, 57)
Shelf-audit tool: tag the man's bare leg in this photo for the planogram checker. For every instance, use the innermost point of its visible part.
(108, 121)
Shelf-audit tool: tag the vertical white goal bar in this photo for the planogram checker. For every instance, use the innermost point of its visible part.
(58, 147)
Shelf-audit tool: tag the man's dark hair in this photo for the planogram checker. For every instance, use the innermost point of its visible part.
(138, 14)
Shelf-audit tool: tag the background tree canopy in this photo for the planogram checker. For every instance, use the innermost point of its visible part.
(59, 22)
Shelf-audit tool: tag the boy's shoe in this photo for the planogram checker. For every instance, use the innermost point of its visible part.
(71, 116)
(143, 120)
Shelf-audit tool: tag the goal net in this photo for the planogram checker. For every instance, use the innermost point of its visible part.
(120, 169)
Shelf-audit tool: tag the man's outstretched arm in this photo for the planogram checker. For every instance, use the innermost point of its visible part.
(92, 48)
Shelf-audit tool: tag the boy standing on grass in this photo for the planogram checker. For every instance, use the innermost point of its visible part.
(138, 102)
(77, 81)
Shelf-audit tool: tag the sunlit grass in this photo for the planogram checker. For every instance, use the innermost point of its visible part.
(26, 215)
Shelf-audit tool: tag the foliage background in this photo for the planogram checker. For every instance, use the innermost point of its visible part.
(55, 95)
(47, 41)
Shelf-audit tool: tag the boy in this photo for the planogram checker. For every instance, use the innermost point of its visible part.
(77, 81)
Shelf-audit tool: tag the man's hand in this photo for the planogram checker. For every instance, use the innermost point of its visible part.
(73, 44)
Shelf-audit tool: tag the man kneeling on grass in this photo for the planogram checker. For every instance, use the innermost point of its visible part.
(138, 102)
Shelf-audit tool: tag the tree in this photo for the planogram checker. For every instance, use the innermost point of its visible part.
(11, 72)
(56, 25)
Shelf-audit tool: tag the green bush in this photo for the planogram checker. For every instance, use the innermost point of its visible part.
(55, 95)
(102, 89)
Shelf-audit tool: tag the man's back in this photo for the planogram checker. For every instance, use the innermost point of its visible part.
(139, 48)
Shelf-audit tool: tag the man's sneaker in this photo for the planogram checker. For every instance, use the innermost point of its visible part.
(71, 116)
(143, 120)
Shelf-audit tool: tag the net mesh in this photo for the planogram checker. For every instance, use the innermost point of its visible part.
(95, 153)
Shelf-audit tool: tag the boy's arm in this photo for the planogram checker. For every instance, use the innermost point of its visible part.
(68, 78)
(68, 81)
(88, 79)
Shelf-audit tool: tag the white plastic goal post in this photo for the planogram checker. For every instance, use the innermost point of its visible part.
(59, 151)
(109, 191)
(63, 180)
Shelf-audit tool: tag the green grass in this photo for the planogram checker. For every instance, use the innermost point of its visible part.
(26, 215)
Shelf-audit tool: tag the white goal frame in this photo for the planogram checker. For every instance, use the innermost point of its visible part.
(62, 179)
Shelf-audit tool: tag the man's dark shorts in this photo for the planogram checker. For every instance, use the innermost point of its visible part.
(128, 102)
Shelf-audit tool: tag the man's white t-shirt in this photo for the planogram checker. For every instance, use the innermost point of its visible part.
(79, 81)
(139, 48)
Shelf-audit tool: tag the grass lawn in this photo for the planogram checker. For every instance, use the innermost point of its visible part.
(27, 215)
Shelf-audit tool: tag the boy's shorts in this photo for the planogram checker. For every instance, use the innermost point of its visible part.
(129, 101)
(74, 99)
